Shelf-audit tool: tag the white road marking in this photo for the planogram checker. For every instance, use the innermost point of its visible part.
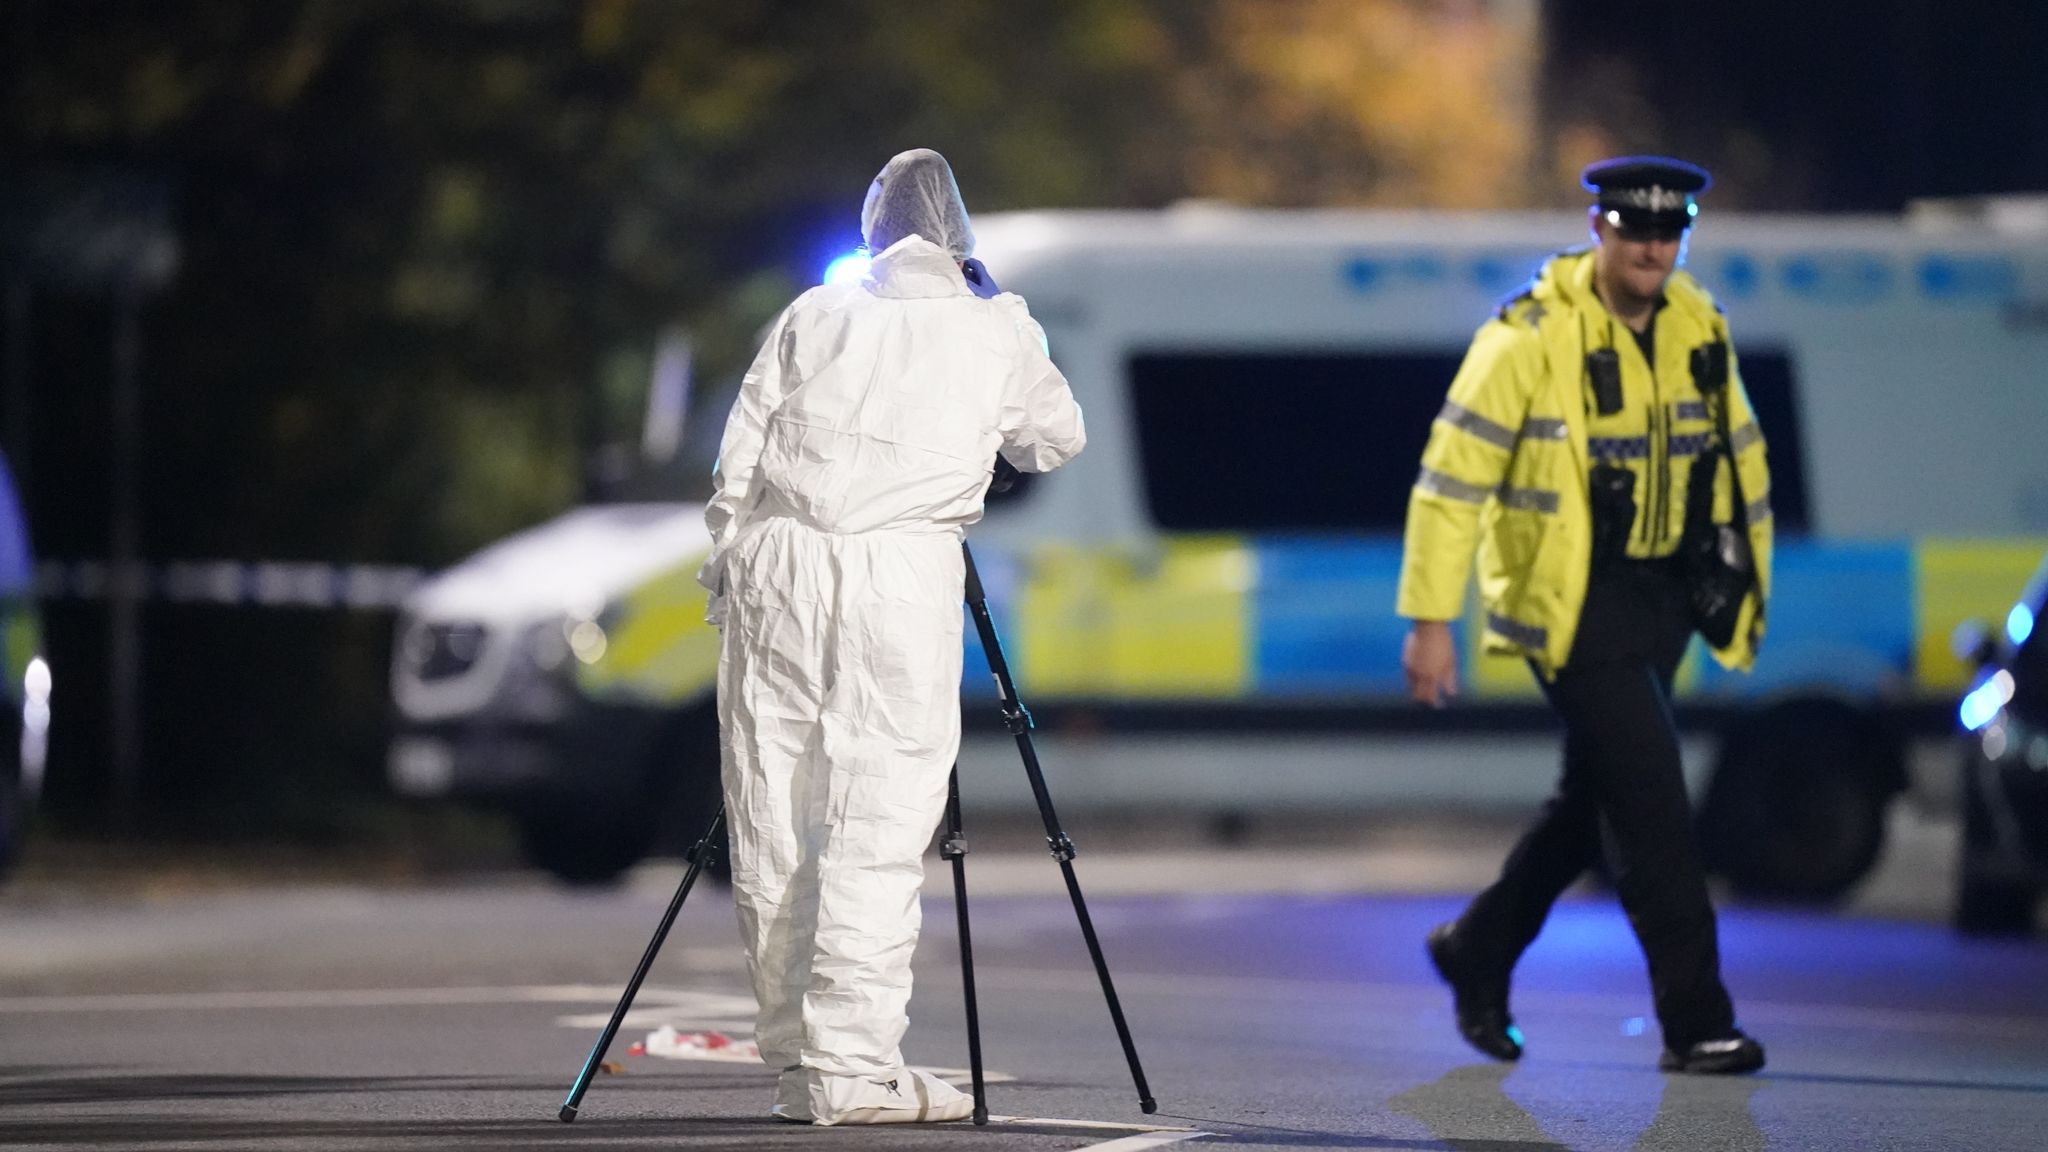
(674, 999)
(1144, 1135)
(654, 1016)
(964, 1077)
(1142, 1141)
(1106, 1125)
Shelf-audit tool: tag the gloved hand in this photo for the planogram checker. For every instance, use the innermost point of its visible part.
(1006, 476)
(984, 286)
(711, 574)
(978, 279)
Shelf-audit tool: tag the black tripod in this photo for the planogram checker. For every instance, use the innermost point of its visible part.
(1018, 720)
(953, 848)
(700, 856)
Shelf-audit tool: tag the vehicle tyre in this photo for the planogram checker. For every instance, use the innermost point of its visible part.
(582, 849)
(1994, 906)
(16, 810)
(13, 821)
(685, 769)
(1990, 901)
(1795, 811)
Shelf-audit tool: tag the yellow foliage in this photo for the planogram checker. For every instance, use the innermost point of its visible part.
(605, 24)
(1426, 103)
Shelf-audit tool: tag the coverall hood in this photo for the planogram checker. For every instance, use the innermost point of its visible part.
(915, 194)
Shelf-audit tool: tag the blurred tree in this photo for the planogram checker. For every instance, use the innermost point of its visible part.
(414, 231)
(413, 236)
(1410, 103)
(428, 248)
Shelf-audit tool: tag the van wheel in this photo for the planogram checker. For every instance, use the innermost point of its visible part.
(16, 811)
(13, 821)
(1987, 906)
(1989, 901)
(1796, 807)
(579, 849)
(684, 768)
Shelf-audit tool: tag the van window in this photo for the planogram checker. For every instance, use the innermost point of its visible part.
(1768, 377)
(1329, 441)
(1259, 441)
(1020, 487)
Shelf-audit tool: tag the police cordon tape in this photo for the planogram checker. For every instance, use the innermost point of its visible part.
(265, 583)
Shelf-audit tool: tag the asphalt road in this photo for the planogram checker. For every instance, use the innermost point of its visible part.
(1293, 1012)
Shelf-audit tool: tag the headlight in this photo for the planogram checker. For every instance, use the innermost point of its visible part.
(443, 649)
(548, 644)
(35, 725)
(586, 639)
(535, 687)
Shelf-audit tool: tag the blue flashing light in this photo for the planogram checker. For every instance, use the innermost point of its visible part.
(848, 269)
(1982, 704)
(2019, 625)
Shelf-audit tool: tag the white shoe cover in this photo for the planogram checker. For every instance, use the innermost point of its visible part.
(909, 1098)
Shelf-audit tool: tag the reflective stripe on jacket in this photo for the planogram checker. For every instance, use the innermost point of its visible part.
(1507, 465)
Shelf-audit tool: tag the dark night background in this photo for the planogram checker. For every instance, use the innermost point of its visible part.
(1811, 106)
(424, 250)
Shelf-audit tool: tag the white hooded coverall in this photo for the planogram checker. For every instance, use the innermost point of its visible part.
(858, 451)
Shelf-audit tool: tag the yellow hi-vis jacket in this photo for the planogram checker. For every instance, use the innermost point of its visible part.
(1508, 459)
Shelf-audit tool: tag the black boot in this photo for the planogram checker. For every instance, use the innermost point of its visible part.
(1481, 1002)
(1728, 1055)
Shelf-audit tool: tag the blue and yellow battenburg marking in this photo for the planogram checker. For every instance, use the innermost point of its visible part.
(1301, 618)
(658, 649)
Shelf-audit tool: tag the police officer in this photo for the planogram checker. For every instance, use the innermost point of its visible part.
(1596, 432)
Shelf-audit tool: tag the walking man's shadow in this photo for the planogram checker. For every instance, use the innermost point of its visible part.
(1467, 1109)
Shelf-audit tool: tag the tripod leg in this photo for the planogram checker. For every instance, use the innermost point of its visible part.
(1063, 851)
(1017, 719)
(954, 848)
(699, 857)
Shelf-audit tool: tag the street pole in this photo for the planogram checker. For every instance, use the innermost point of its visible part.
(17, 404)
(124, 589)
(102, 230)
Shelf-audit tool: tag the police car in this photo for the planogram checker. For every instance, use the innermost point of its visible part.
(2002, 867)
(25, 679)
(564, 676)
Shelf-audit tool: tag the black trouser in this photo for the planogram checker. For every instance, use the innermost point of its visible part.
(1622, 777)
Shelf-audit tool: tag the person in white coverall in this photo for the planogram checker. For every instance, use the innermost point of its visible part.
(859, 450)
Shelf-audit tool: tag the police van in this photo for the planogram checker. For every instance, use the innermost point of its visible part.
(1199, 609)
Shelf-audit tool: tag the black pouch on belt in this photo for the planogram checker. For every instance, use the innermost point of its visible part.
(1613, 495)
(1603, 374)
(1719, 569)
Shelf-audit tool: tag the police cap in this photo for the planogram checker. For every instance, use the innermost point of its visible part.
(1646, 193)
